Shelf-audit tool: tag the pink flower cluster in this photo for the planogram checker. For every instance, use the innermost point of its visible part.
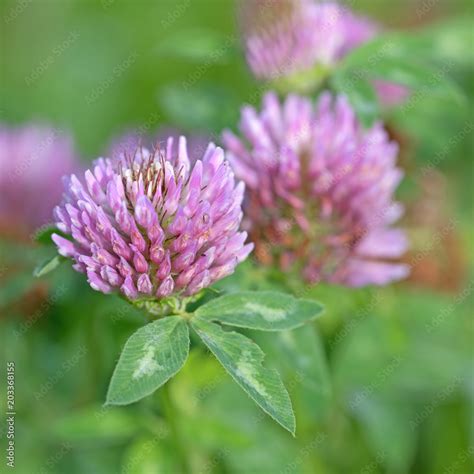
(152, 224)
(287, 38)
(320, 190)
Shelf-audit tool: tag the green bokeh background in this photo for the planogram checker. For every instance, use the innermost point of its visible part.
(383, 383)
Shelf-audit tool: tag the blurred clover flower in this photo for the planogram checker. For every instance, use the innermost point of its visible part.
(151, 224)
(32, 160)
(130, 141)
(320, 190)
(285, 37)
(294, 43)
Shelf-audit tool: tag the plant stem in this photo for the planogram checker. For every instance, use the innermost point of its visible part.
(169, 413)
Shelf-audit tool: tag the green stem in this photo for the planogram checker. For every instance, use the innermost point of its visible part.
(169, 413)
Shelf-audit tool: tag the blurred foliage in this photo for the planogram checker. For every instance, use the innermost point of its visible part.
(383, 382)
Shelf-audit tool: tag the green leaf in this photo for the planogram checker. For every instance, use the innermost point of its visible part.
(361, 95)
(149, 359)
(261, 310)
(299, 356)
(391, 45)
(404, 72)
(401, 59)
(242, 358)
(418, 76)
(48, 266)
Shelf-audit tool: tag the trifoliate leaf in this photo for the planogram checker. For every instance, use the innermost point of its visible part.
(261, 310)
(242, 358)
(149, 359)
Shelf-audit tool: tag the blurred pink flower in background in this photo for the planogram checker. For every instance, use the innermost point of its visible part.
(129, 142)
(285, 37)
(320, 190)
(153, 224)
(301, 40)
(33, 159)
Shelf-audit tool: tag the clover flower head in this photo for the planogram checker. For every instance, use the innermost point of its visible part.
(320, 190)
(32, 160)
(285, 37)
(295, 42)
(151, 224)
